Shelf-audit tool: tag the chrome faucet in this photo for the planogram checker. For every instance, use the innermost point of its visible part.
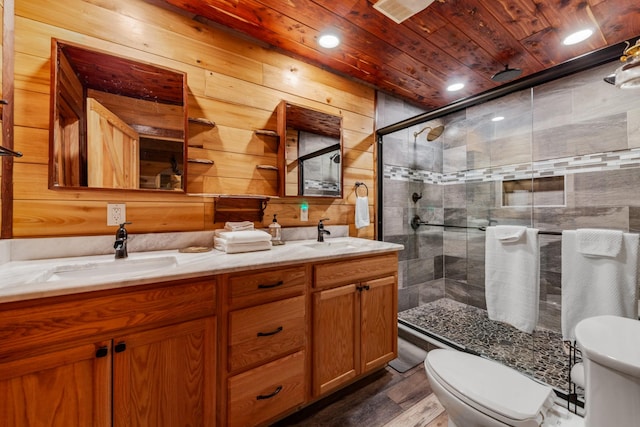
(321, 230)
(121, 241)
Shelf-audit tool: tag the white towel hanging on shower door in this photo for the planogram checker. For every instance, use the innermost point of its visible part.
(512, 276)
(597, 285)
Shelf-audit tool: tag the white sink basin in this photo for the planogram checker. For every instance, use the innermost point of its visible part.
(115, 267)
(330, 245)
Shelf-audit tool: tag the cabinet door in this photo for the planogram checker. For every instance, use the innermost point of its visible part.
(65, 388)
(335, 338)
(379, 326)
(166, 376)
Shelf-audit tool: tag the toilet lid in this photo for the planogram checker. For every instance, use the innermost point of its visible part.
(611, 341)
(493, 386)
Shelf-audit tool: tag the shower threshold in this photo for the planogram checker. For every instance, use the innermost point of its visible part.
(449, 323)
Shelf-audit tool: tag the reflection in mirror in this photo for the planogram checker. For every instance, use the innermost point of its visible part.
(115, 122)
(311, 151)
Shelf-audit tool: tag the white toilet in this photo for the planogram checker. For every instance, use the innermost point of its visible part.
(610, 348)
(478, 392)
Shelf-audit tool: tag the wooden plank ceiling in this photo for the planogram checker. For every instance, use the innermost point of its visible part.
(451, 40)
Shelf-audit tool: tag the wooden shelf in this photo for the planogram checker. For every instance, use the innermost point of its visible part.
(201, 121)
(201, 161)
(267, 167)
(266, 132)
(239, 208)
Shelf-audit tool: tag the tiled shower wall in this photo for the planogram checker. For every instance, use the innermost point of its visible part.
(578, 128)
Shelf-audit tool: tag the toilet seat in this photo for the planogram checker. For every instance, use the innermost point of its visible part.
(491, 388)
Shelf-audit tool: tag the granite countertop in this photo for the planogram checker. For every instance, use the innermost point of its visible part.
(30, 279)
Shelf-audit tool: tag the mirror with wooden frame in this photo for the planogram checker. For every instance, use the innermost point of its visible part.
(310, 152)
(115, 123)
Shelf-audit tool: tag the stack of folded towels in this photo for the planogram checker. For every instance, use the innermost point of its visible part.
(237, 237)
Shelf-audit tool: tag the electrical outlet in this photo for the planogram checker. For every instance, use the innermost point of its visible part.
(116, 213)
(304, 212)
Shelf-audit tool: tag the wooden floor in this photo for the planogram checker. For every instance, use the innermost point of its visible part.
(387, 398)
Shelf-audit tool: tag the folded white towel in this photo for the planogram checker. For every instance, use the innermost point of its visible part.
(362, 211)
(599, 242)
(243, 236)
(238, 226)
(234, 248)
(594, 286)
(509, 233)
(512, 278)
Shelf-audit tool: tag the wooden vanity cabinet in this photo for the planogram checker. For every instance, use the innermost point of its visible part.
(150, 350)
(236, 349)
(267, 356)
(354, 319)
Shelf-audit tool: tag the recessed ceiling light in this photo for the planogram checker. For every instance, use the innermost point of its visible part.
(329, 40)
(497, 118)
(454, 87)
(577, 37)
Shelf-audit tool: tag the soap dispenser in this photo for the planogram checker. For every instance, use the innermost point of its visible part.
(276, 232)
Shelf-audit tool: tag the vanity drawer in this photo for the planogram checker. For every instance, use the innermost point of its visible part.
(26, 327)
(266, 331)
(356, 270)
(256, 288)
(263, 393)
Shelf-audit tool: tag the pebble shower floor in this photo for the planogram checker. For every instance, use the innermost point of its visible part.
(539, 355)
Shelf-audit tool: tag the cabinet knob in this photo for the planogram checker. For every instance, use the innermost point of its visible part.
(270, 395)
(102, 351)
(120, 347)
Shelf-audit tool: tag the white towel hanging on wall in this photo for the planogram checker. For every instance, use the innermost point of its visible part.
(362, 211)
(362, 207)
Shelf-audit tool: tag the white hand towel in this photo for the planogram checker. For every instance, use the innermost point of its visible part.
(512, 278)
(234, 248)
(238, 226)
(599, 242)
(362, 211)
(243, 236)
(509, 233)
(594, 286)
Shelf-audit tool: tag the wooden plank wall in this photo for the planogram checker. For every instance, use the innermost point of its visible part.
(1, 133)
(232, 81)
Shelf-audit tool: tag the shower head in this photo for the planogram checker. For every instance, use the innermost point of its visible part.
(335, 157)
(434, 133)
(506, 74)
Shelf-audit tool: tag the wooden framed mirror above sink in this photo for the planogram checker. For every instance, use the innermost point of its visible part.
(115, 123)
(310, 152)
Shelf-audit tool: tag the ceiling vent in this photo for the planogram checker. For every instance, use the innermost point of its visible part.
(399, 10)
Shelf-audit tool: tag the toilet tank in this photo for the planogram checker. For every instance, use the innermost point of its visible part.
(610, 347)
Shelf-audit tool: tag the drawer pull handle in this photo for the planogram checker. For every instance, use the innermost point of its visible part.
(268, 334)
(272, 285)
(102, 352)
(269, 396)
(120, 347)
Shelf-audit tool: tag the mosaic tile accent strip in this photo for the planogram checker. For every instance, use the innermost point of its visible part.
(321, 185)
(539, 355)
(554, 167)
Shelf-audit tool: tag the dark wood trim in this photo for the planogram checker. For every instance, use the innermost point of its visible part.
(6, 188)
